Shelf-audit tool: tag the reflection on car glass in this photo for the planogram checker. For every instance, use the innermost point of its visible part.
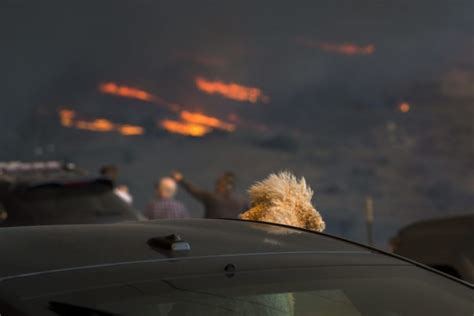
(65, 309)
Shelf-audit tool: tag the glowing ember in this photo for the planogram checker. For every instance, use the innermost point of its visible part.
(184, 128)
(67, 119)
(404, 107)
(130, 130)
(135, 93)
(343, 49)
(201, 119)
(98, 125)
(232, 91)
(348, 49)
(125, 91)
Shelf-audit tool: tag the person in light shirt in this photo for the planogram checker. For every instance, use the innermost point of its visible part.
(164, 205)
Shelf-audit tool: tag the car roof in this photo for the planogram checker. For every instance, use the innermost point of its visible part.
(27, 173)
(38, 249)
(32, 181)
(445, 225)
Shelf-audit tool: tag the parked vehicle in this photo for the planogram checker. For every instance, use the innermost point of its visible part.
(47, 193)
(212, 267)
(446, 244)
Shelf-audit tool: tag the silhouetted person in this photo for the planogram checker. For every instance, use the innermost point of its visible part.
(111, 172)
(164, 205)
(223, 202)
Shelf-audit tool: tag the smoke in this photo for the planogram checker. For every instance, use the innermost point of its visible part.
(158, 45)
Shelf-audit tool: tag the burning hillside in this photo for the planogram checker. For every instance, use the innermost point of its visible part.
(349, 49)
(68, 119)
(209, 121)
(231, 90)
(195, 124)
(184, 128)
(184, 122)
(124, 91)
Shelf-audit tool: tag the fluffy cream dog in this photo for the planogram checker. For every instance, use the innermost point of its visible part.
(283, 199)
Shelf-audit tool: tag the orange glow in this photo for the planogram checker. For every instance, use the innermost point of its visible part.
(130, 130)
(135, 93)
(404, 107)
(67, 119)
(201, 119)
(98, 125)
(349, 49)
(184, 128)
(125, 91)
(232, 91)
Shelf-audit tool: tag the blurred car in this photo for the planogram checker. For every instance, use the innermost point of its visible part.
(47, 193)
(446, 244)
(212, 267)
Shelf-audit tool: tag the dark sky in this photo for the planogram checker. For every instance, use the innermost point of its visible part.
(57, 47)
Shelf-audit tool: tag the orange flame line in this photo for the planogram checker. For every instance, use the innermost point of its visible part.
(349, 49)
(124, 91)
(67, 119)
(131, 130)
(232, 91)
(191, 123)
(134, 93)
(184, 128)
(202, 119)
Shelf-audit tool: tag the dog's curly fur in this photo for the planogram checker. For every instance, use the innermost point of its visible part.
(283, 199)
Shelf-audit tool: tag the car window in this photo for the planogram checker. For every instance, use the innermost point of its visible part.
(332, 291)
(62, 206)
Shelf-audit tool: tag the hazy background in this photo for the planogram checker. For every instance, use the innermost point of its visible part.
(332, 115)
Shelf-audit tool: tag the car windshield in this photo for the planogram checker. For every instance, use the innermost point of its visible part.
(348, 291)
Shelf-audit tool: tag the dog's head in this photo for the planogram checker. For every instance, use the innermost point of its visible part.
(282, 198)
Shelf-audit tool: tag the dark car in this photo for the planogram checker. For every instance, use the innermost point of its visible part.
(212, 267)
(446, 244)
(50, 193)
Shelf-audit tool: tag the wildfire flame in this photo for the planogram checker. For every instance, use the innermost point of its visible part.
(185, 128)
(190, 123)
(125, 91)
(131, 130)
(195, 124)
(231, 91)
(139, 94)
(67, 119)
(349, 49)
(404, 107)
(209, 121)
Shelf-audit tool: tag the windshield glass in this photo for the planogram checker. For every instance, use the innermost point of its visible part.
(348, 291)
